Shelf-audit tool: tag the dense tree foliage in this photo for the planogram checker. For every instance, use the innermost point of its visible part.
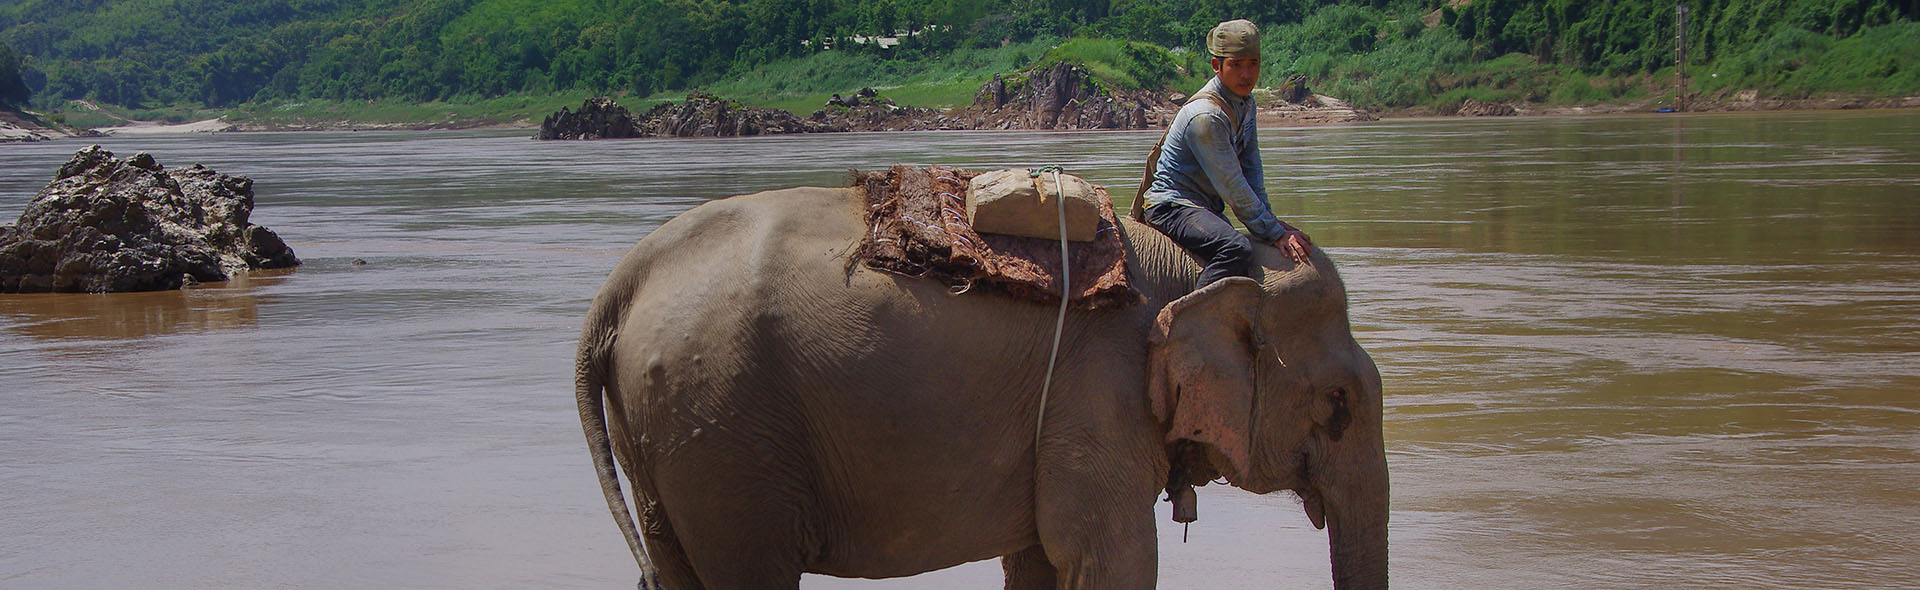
(13, 86)
(1623, 36)
(226, 52)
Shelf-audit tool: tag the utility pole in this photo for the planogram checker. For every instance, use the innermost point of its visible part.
(1680, 54)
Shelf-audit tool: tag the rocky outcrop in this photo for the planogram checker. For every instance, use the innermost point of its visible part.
(598, 118)
(866, 110)
(865, 95)
(1293, 103)
(1061, 96)
(706, 115)
(107, 225)
(701, 115)
(1313, 109)
(1474, 108)
(1294, 91)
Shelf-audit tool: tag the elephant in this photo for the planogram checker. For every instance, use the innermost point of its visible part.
(779, 409)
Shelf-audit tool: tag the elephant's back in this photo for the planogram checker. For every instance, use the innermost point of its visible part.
(730, 243)
(753, 221)
(729, 279)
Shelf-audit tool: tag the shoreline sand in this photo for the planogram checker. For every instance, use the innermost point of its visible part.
(22, 129)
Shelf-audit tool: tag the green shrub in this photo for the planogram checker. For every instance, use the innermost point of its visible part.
(803, 84)
(1882, 60)
(1124, 64)
(1577, 88)
(1771, 62)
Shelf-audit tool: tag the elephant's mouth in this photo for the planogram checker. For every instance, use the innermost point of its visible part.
(1315, 506)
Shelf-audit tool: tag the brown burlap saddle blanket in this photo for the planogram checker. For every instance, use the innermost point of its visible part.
(917, 226)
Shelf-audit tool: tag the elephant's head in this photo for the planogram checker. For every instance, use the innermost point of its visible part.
(1266, 378)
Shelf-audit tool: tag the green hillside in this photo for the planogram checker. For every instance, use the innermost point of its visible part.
(193, 55)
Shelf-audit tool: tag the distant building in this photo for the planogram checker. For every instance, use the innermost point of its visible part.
(884, 42)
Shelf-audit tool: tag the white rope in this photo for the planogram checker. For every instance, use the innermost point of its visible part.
(1060, 322)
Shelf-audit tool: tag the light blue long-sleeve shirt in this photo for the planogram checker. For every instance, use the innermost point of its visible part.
(1205, 164)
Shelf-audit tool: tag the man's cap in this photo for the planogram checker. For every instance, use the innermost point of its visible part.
(1234, 38)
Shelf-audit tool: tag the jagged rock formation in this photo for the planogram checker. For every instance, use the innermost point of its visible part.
(1295, 90)
(1314, 109)
(866, 110)
(1293, 103)
(1474, 108)
(706, 115)
(1061, 96)
(701, 115)
(106, 225)
(856, 99)
(598, 118)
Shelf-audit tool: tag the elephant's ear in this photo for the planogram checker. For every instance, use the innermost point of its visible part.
(1201, 369)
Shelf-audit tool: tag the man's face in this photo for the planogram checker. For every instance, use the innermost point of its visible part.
(1238, 74)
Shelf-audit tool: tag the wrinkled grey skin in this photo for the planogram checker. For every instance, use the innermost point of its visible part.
(779, 410)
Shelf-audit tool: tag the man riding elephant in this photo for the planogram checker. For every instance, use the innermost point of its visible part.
(1210, 160)
(780, 408)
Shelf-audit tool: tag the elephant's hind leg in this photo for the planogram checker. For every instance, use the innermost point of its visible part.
(733, 526)
(1028, 570)
(669, 558)
(740, 554)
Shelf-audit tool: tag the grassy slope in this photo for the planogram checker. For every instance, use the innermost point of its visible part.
(1406, 68)
(803, 85)
(800, 85)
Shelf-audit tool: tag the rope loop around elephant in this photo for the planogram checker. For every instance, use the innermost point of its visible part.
(1060, 321)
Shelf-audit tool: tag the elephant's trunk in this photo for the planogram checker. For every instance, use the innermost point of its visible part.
(1359, 551)
(1356, 516)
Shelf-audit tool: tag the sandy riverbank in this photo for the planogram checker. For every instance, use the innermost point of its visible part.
(1735, 102)
(15, 127)
(11, 133)
(156, 128)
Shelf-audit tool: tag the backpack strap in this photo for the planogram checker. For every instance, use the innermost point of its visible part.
(1139, 212)
(1233, 118)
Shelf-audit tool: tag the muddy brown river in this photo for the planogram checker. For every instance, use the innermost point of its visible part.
(1619, 352)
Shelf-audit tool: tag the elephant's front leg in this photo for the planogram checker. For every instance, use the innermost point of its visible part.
(1096, 531)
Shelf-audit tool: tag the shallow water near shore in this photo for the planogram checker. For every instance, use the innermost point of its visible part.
(1619, 352)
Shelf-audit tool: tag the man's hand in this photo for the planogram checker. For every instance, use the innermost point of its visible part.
(1295, 244)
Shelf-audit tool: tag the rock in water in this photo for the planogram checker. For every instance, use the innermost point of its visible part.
(706, 115)
(1474, 108)
(868, 111)
(108, 225)
(598, 118)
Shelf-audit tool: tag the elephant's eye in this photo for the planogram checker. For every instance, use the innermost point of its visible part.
(1339, 418)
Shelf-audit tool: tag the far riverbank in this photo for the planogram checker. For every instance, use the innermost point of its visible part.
(527, 111)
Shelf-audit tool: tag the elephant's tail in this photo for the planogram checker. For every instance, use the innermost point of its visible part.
(589, 393)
